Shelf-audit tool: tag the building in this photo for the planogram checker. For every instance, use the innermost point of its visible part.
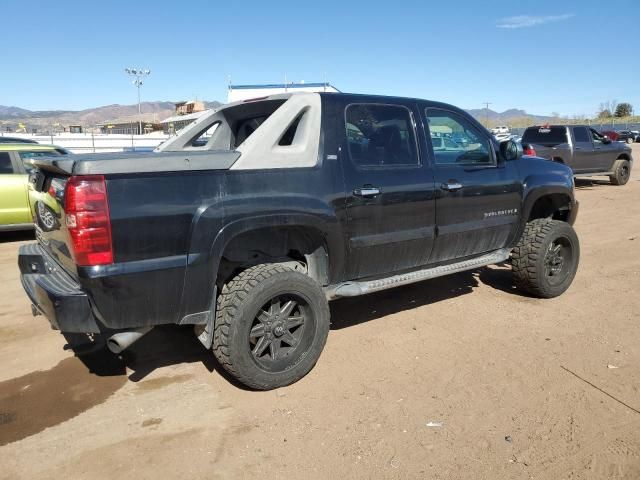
(186, 113)
(187, 108)
(176, 123)
(131, 125)
(244, 92)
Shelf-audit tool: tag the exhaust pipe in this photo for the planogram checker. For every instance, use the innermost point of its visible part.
(121, 341)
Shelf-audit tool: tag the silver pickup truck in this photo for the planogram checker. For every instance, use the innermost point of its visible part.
(582, 148)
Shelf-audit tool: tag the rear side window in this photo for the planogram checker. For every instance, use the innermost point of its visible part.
(580, 134)
(5, 163)
(381, 135)
(545, 135)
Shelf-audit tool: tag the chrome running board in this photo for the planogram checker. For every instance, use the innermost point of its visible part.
(355, 288)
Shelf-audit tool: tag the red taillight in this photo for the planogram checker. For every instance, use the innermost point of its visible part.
(88, 222)
(529, 150)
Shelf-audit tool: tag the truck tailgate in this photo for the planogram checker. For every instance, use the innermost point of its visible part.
(46, 197)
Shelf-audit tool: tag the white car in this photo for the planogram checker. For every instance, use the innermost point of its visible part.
(501, 137)
(498, 130)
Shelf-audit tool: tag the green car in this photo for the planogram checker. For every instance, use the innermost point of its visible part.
(15, 213)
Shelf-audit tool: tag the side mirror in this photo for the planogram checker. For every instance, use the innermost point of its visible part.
(510, 150)
(606, 139)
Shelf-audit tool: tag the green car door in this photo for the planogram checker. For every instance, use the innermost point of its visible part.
(14, 200)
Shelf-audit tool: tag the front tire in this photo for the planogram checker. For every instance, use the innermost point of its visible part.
(621, 172)
(630, 140)
(546, 258)
(271, 326)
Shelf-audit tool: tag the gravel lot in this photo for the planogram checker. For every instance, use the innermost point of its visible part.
(513, 387)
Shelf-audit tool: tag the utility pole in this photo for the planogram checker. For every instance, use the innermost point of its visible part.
(486, 113)
(139, 73)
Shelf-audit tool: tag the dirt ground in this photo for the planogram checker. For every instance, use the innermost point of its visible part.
(516, 387)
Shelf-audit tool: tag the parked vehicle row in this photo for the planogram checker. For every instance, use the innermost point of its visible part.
(628, 136)
(582, 148)
(294, 200)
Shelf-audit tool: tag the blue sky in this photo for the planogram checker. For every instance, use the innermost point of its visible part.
(542, 56)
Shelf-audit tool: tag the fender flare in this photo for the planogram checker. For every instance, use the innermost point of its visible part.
(202, 266)
(532, 195)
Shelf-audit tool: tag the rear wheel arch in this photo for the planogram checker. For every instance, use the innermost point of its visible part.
(302, 247)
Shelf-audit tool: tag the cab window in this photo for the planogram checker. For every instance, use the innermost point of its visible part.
(5, 163)
(381, 135)
(455, 140)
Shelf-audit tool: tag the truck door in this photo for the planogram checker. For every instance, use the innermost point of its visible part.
(604, 154)
(584, 155)
(389, 189)
(478, 199)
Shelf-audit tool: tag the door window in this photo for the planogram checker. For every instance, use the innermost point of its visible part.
(456, 141)
(5, 163)
(597, 138)
(580, 134)
(381, 135)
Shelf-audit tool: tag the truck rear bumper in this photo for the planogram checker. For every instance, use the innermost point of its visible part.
(54, 293)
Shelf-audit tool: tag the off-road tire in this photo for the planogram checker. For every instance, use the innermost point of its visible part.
(238, 306)
(621, 172)
(529, 257)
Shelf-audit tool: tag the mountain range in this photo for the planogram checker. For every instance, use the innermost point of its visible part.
(90, 116)
(507, 116)
(159, 110)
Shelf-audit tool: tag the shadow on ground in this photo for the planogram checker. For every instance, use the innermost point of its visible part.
(347, 312)
(97, 372)
(589, 183)
(19, 236)
(163, 346)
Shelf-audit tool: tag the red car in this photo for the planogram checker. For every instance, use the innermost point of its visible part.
(611, 134)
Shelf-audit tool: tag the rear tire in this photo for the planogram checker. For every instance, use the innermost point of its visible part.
(630, 140)
(271, 326)
(546, 258)
(621, 172)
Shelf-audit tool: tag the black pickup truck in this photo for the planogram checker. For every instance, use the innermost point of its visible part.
(247, 223)
(582, 148)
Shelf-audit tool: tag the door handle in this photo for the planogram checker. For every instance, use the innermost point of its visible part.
(451, 186)
(366, 191)
(598, 148)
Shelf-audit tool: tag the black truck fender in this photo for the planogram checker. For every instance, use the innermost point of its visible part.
(541, 200)
(213, 233)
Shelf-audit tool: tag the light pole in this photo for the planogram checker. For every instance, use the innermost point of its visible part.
(139, 73)
(486, 114)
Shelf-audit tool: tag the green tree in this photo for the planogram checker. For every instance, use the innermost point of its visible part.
(624, 110)
(604, 113)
